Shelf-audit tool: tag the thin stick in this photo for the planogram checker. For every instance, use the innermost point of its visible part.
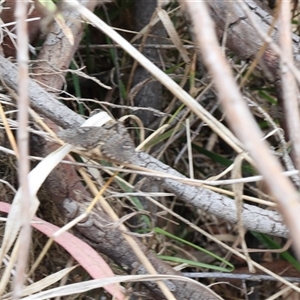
(23, 146)
(289, 87)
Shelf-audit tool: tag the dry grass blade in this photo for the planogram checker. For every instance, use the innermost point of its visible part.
(81, 287)
(8, 131)
(165, 19)
(43, 283)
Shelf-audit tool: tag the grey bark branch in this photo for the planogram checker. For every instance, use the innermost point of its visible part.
(41, 101)
(242, 37)
(95, 230)
(254, 218)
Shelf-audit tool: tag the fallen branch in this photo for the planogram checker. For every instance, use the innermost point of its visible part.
(254, 218)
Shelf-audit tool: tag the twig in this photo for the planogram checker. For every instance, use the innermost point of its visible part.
(289, 87)
(23, 146)
(230, 276)
(283, 144)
